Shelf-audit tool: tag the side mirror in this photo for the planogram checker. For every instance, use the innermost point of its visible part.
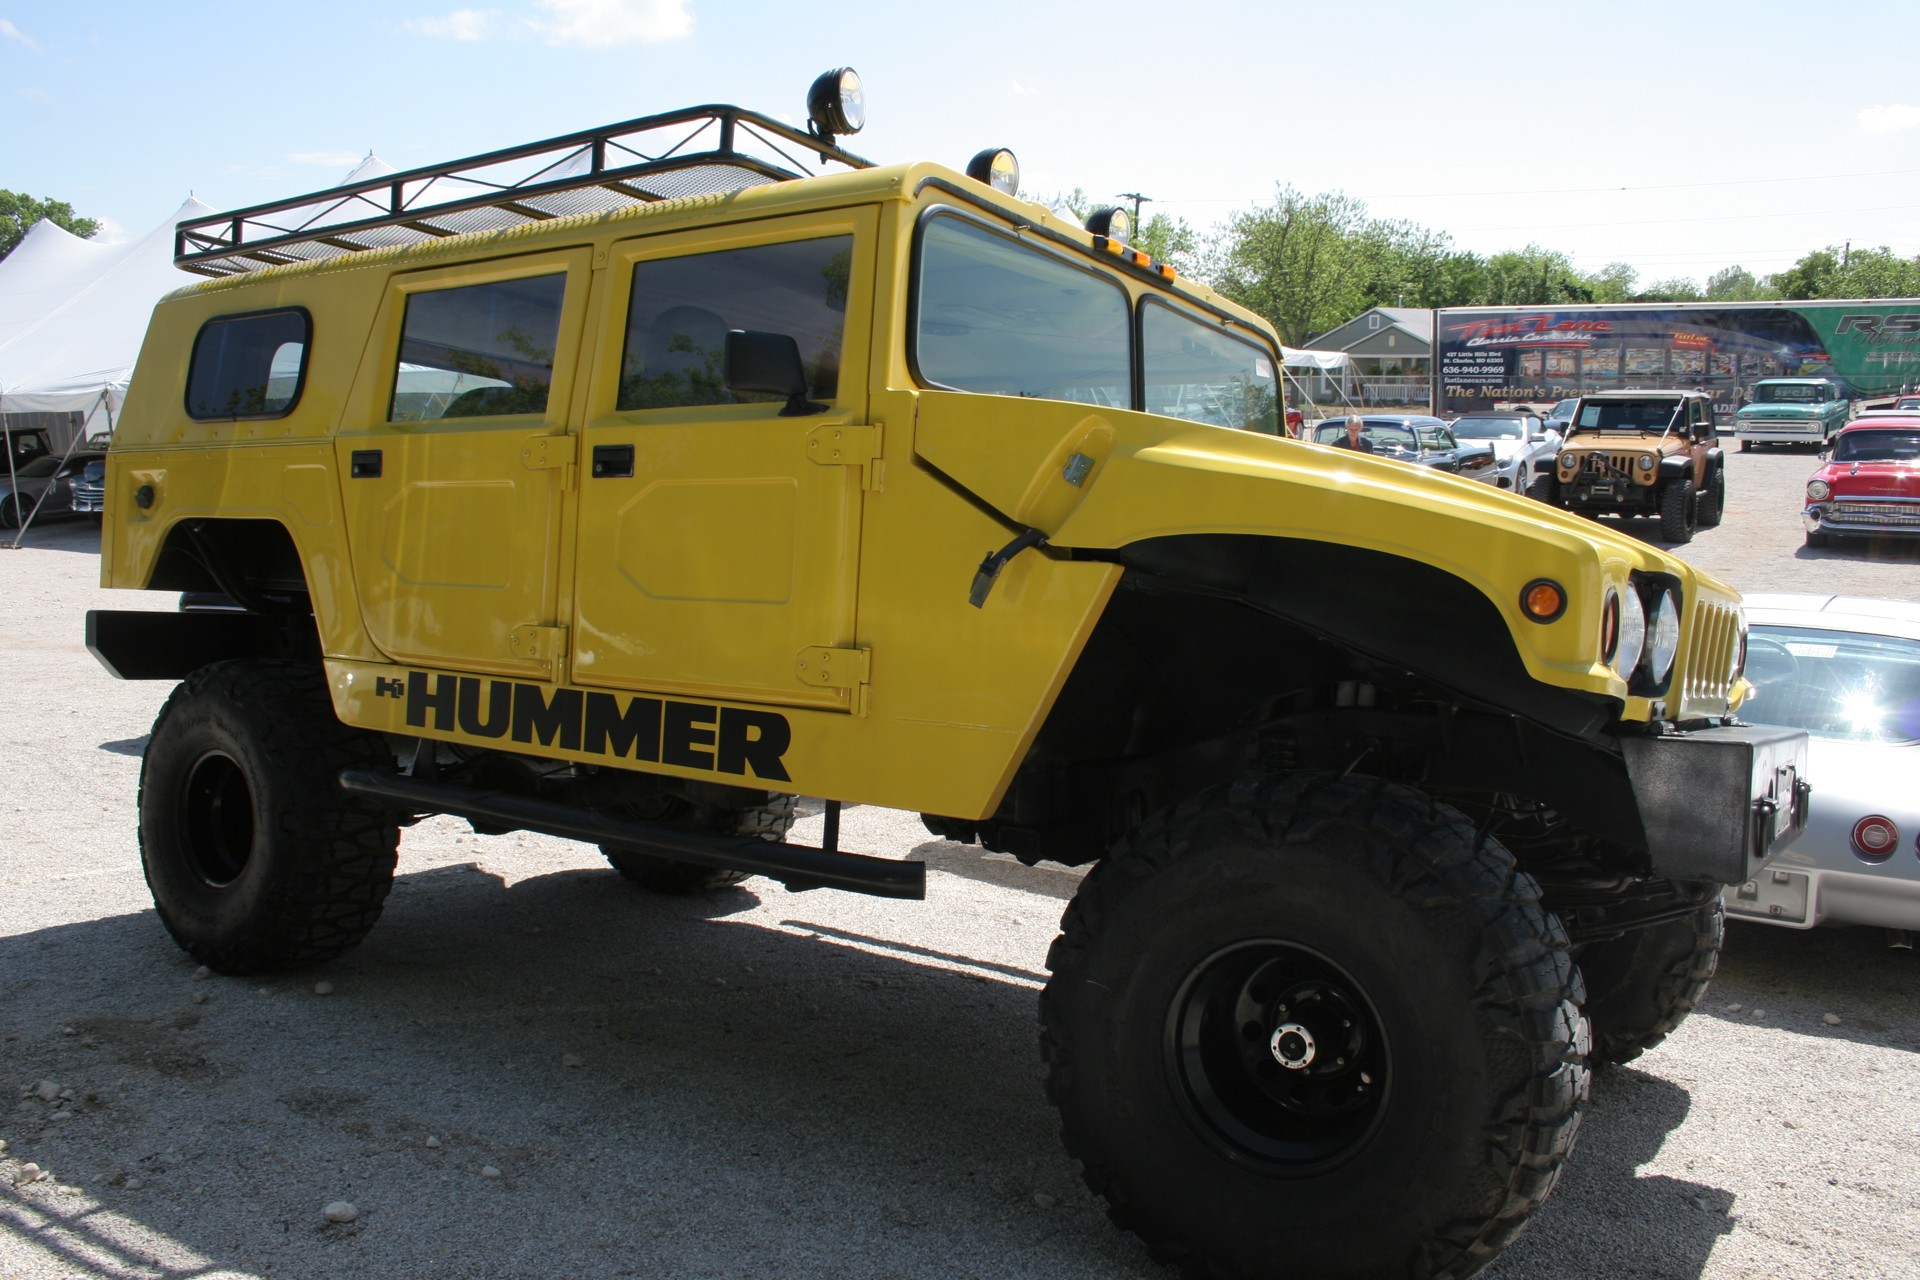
(769, 363)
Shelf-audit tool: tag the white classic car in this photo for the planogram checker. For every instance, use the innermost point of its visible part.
(1847, 670)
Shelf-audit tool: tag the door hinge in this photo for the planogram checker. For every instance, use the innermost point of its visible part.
(549, 453)
(828, 668)
(848, 446)
(546, 645)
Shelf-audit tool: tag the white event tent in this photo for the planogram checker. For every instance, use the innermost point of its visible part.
(72, 314)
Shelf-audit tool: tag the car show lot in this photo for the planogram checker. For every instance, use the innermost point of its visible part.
(532, 1069)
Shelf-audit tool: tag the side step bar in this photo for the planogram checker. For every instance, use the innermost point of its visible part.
(797, 866)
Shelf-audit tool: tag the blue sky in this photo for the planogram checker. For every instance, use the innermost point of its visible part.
(1677, 137)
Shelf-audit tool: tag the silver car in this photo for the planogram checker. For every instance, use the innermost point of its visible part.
(1847, 670)
(1517, 439)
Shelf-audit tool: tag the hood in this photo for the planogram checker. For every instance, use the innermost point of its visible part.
(1872, 479)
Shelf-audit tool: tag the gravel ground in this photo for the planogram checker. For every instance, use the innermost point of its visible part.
(531, 1069)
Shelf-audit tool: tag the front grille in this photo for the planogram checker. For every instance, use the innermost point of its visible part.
(1607, 466)
(1713, 641)
(1904, 514)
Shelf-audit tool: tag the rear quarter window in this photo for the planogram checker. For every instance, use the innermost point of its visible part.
(249, 366)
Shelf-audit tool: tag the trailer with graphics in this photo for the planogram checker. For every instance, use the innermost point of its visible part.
(1503, 355)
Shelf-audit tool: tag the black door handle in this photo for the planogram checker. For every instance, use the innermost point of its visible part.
(612, 461)
(366, 464)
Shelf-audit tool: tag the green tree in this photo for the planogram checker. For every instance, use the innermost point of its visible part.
(1613, 283)
(1169, 239)
(1734, 284)
(1811, 277)
(1876, 273)
(1532, 277)
(19, 211)
(1679, 289)
(1303, 261)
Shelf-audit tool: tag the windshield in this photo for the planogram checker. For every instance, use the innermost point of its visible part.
(1628, 415)
(1789, 393)
(1878, 446)
(1434, 437)
(1384, 437)
(1194, 371)
(1563, 409)
(1837, 684)
(1488, 429)
(1001, 317)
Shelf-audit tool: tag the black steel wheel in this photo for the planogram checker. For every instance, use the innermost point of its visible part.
(9, 513)
(1679, 509)
(256, 859)
(1317, 1026)
(1544, 489)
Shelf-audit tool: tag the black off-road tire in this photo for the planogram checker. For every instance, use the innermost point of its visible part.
(1643, 984)
(769, 818)
(1713, 503)
(9, 513)
(1443, 1121)
(1678, 511)
(256, 858)
(1544, 489)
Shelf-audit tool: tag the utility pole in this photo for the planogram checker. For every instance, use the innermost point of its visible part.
(1138, 200)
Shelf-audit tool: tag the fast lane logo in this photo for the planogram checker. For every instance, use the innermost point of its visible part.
(692, 735)
(1534, 331)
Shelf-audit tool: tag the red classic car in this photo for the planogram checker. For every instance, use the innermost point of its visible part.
(1869, 486)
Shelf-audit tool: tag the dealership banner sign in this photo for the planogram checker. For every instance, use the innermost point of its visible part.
(1533, 354)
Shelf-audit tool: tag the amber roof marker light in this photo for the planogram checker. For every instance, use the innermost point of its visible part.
(1543, 600)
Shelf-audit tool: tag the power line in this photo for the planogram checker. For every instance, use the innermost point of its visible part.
(1569, 191)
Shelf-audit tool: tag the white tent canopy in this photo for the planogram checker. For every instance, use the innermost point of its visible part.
(73, 313)
(1327, 361)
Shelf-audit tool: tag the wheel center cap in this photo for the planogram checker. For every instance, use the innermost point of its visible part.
(1292, 1046)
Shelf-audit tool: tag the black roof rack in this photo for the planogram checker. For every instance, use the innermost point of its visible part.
(696, 151)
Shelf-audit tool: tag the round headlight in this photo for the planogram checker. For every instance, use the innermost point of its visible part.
(1646, 462)
(836, 104)
(1818, 490)
(1663, 636)
(1633, 634)
(1610, 626)
(997, 168)
(1113, 223)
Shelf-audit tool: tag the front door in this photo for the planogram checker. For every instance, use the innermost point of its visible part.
(717, 550)
(453, 458)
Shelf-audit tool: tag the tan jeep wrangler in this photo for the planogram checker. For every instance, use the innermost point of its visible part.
(1640, 453)
(683, 467)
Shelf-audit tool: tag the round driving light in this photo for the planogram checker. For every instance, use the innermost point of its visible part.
(1543, 600)
(836, 104)
(1663, 637)
(1818, 490)
(1610, 626)
(1646, 462)
(1875, 838)
(1113, 223)
(997, 168)
(1633, 633)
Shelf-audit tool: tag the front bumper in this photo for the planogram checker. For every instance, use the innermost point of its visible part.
(1717, 803)
(1782, 433)
(1898, 516)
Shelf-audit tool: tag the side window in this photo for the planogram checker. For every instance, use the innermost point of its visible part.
(478, 351)
(1201, 372)
(994, 315)
(249, 366)
(682, 308)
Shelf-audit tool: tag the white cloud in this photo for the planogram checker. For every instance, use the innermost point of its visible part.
(461, 24)
(603, 24)
(34, 93)
(110, 232)
(1017, 90)
(326, 159)
(12, 32)
(1891, 117)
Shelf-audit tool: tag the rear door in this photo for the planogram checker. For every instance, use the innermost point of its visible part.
(717, 550)
(454, 458)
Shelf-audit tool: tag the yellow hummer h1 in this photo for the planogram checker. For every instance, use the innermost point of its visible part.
(627, 485)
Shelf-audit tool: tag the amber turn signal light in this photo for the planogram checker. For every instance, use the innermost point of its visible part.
(1543, 600)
